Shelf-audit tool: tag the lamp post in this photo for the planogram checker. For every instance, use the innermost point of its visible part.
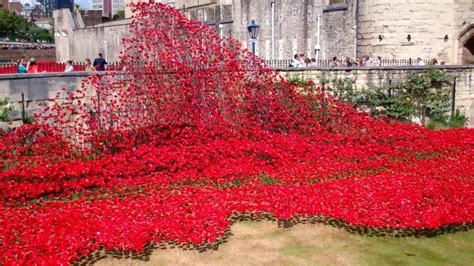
(221, 31)
(253, 30)
(106, 51)
(317, 49)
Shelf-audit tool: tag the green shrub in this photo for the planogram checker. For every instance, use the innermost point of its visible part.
(4, 109)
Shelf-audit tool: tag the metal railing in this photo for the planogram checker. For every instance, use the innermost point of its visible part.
(329, 63)
(11, 67)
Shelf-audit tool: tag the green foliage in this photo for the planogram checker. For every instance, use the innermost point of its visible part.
(120, 15)
(29, 120)
(17, 27)
(4, 109)
(457, 120)
(296, 80)
(345, 90)
(265, 179)
(425, 96)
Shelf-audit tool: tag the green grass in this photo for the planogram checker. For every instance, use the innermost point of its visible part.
(263, 243)
(453, 249)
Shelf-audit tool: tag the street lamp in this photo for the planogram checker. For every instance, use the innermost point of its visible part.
(221, 31)
(253, 30)
(106, 51)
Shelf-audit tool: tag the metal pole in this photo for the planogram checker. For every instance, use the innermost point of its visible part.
(453, 98)
(318, 44)
(23, 111)
(273, 29)
(254, 46)
(356, 40)
(106, 52)
(221, 31)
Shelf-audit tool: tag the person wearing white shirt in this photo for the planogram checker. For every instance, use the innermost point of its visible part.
(419, 62)
(69, 66)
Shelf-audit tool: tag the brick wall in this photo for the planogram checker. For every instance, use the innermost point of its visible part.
(39, 55)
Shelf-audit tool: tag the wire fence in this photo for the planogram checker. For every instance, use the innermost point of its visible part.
(329, 63)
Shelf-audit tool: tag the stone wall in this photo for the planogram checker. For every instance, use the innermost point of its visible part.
(296, 25)
(40, 55)
(349, 28)
(427, 23)
(29, 91)
(40, 88)
(363, 77)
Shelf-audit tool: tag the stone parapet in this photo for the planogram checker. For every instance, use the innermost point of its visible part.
(362, 77)
(32, 90)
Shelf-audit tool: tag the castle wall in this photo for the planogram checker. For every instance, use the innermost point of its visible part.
(427, 23)
(296, 26)
(78, 44)
(104, 38)
(40, 55)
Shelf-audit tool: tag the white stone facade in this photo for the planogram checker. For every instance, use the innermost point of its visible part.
(434, 27)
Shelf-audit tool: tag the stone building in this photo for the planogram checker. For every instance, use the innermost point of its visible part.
(395, 29)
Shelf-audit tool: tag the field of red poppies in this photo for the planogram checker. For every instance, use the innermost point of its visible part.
(196, 135)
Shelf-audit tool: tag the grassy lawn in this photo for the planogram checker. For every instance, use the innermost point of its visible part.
(264, 244)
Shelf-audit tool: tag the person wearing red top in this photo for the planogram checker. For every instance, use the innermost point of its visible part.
(32, 66)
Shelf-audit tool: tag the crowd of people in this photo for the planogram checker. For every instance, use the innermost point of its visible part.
(28, 46)
(6, 44)
(25, 65)
(300, 60)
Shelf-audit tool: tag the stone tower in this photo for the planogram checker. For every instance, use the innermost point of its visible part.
(441, 29)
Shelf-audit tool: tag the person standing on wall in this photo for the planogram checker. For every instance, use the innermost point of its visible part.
(32, 66)
(89, 67)
(21, 68)
(99, 63)
(69, 66)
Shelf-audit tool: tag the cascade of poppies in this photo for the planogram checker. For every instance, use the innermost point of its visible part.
(195, 134)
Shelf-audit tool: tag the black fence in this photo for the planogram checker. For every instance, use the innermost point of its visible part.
(329, 63)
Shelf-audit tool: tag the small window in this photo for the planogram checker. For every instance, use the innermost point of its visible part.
(335, 5)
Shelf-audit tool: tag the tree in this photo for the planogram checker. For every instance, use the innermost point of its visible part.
(120, 15)
(17, 27)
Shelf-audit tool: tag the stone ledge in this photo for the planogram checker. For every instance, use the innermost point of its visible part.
(54, 74)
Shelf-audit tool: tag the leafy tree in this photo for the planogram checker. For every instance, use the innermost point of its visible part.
(120, 15)
(4, 109)
(17, 27)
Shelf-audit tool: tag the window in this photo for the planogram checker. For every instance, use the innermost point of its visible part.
(335, 5)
